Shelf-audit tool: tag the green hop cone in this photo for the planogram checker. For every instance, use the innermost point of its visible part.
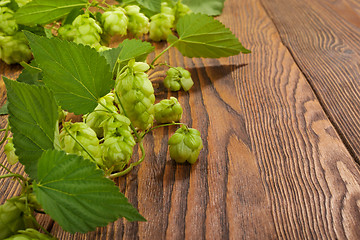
(8, 24)
(14, 49)
(162, 23)
(138, 23)
(185, 145)
(180, 10)
(115, 21)
(12, 217)
(177, 78)
(160, 26)
(67, 32)
(168, 110)
(118, 144)
(9, 150)
(30, 234)
(100, 113)
(136, 94)
(88, 30)
(85, 136)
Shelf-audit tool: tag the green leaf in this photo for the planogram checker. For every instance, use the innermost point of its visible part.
(31, 74)
(208, 7)
(4, 109)
(77, 74)
(77, 195)
(33, 116)
(46, 11)
(127, 50)
(153, 5)
(207, 38)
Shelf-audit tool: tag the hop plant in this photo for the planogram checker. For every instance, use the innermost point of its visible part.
(138, 23)
(136, 94)
(22, 2)
(12, 217)
(9, 150)
(115, 21)
(67, 32)
(8, 24)
(14, 49)
(185, 145)
(30, 234)
(177, 78)
(101, 113)
(85, 136)
(168, 110)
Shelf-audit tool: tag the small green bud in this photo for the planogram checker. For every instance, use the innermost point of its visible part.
(30, 234)
(14, 49)
(168, 110)
(185, 145)
(138, 23)
(83, 134)
(115, 21)
(9, 150)
(178, 77)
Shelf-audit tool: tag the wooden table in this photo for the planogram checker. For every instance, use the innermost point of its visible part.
(281, 131)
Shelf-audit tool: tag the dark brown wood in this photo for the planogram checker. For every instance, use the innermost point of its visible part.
(323, 37)
(273, 164)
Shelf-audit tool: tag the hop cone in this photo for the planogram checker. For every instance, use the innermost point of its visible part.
(100, 113)
(12, 217)
(137, 94)
(9, 150)
(168, 110)
(8, 24)
(84, 30)
(14, 49)
(138, 23)
(115, 21)
(185, 145)
(162, 23)
(83, 134)
(178, 78)
(180, 10)
(30, 234)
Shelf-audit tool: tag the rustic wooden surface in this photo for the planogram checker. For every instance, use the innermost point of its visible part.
(280, 128)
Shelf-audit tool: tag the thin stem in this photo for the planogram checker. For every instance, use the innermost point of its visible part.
(157, 57)
(132, 165)
(7, 169)
(163, 125)
(82, 146)
(18, 177)
(6, 134)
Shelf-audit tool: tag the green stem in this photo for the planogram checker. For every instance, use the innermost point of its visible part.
(7, 169)
(17, 176)
(163, 125)
(157, 57)
(6, 134)
(82, 146)
(132, 165)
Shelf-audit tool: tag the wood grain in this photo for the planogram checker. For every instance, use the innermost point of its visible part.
(273, 165)
(323, 37)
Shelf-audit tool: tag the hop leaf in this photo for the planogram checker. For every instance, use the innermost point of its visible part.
(185, 145)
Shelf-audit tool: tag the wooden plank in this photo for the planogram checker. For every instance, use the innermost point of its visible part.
(272, 166)
(323, 36)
